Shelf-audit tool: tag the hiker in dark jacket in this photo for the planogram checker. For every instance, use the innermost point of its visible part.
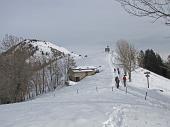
(118, 71)
(114, 70)
(117, 81)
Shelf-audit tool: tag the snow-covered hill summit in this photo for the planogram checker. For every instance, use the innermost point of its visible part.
(45, 50)
(41, 50)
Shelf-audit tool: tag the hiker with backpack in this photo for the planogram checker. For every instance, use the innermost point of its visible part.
(124, 80)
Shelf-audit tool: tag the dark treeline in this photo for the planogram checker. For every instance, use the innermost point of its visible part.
(153, 62)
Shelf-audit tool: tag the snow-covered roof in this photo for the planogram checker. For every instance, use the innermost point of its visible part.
(87, 70)
(84, 67)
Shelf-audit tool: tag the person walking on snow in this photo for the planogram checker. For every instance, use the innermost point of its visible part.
(124, 80)
(117, 81)
(114, 70)
(118, 71)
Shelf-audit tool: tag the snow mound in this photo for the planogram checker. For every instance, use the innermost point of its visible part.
(71, 83)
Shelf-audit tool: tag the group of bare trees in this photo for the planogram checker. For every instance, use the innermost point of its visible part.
(49, 77)
(14, 74)
(22, 78)
(126, 55)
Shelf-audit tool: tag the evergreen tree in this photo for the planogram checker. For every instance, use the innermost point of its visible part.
(154, 63)
(159, 64)
(150, 60)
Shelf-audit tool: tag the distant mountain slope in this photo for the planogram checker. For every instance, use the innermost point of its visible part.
(42, 50)
(46, 49)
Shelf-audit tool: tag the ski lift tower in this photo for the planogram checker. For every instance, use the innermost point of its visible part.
(107, 49)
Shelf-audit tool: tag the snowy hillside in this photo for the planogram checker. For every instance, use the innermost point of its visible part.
(44, 50)
(96, 102)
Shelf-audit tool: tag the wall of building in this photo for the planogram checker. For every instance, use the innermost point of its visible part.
(81, 75)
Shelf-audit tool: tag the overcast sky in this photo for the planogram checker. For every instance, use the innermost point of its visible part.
(82, 23)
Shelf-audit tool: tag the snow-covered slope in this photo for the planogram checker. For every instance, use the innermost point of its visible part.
(46, 47)
(95, 102)
(44, 50)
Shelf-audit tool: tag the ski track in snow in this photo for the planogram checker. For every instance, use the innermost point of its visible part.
(115, 118)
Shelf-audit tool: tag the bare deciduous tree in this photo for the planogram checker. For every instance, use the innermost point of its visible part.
(126, 55)
(157, 9)
(140, 58)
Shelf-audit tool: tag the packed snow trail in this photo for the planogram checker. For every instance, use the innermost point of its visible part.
(90, 107)
(152, 113)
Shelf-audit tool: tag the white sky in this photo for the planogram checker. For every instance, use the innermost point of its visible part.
(76, 23)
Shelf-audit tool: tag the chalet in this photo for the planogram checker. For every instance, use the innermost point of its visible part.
(78, 73)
